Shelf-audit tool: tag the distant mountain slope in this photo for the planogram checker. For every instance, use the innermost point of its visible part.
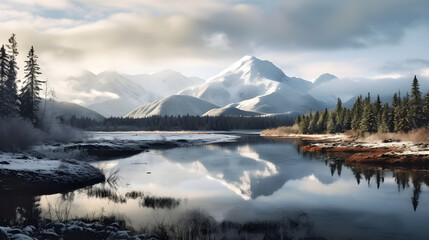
(165, 83)
(53, 109)
(113, 94)
(229, 111)
(173, 105)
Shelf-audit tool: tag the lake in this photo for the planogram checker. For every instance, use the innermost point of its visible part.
(252, 179)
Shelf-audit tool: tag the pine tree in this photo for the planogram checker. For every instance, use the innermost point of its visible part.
(348, 116)
(383, 124)
(368, 119)
(357, 113)
(4, 71)
(11, 81)
(303, 125)
(313, 123)
(29, 96)
(426, 110)
(332, 122)
(323, 121)
(416, 112)
(377, 112)
(403, 122)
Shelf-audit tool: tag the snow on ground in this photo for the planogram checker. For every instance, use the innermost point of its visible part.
(203, 137)
(22, 173)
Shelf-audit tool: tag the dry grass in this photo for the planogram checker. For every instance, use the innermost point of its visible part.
(416, 135)
(281, 131)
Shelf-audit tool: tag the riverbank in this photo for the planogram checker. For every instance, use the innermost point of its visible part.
(371, 150)
(62, 167)
(29, 175)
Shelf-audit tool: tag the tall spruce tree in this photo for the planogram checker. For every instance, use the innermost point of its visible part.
(4, 71)
(29, 95)
(312, 128)
(323, 120)
(403, 122)
(383, 125)
(357, 113)
(332, 122)
(12, 80)
(416, 111)
(368, 122)
(426, 110)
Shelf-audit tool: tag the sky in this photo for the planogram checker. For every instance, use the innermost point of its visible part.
(306, 38)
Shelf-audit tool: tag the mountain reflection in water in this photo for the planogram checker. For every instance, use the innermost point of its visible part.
(252, 179)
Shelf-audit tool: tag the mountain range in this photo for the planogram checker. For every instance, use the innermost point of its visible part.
(248, 87)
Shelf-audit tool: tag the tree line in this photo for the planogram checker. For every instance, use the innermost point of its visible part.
(186, 122)
(402, 115)
(25, 101)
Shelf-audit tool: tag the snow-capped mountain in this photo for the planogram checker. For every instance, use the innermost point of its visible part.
(257, 85)
(113, 94)
(229, 111)
(173, 105)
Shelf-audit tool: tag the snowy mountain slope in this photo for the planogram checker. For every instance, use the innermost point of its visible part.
(109, 93)
(256, 85)
(165, 83)
(279, 102)
(54, 109)
(229, 111)
(113, 94)
(245, 79)
(173, 105)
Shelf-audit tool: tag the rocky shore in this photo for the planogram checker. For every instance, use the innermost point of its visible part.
(71, 230)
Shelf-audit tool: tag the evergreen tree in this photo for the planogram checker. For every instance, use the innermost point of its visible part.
(348, 116)
(332, 122)
(11, 81)
(383, 126)
(396, 100)
(426, 110)
(298, 120)
(323, 121)
(377, 112)
(368, 119)
(303, 125)
(29, 96)
(4, 71)
(313, 123)
(416, 111)
(403, 122)
(357, 113)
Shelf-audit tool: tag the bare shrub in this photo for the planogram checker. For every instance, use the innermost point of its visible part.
(19, 134)
(282, 130)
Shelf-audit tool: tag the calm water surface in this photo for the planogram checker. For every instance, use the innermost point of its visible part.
(254, 179)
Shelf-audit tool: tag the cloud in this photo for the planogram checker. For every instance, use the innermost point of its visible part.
(49, 4)
(148, 35)
(347, 88)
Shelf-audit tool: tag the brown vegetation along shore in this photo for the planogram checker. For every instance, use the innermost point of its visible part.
(393, 149)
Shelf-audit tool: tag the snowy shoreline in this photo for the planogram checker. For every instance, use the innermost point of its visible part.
(366, 151)
(28, 175)
(55, 168)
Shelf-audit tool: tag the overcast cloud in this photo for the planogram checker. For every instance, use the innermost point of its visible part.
(305, 38)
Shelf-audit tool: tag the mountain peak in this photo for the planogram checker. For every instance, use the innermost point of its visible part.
(326, 77)
(254, 68)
